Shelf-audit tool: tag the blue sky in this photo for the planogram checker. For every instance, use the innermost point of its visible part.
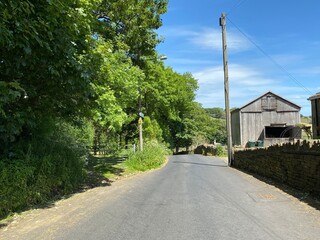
(286, 32)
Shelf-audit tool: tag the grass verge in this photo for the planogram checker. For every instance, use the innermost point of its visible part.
(104, 170)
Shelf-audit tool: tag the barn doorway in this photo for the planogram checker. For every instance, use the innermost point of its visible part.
(279, 132)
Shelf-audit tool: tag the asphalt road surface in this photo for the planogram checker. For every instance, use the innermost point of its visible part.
(192, 197)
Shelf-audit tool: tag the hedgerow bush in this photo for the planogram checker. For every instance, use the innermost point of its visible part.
(46, 166)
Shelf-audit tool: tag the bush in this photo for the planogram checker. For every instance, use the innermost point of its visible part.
(221, 151)
(47, 166)
(152, 156)
(14, 181)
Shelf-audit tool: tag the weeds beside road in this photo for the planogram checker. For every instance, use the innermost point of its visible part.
(100, 171)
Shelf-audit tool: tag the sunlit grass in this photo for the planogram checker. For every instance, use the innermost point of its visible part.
(153, 156)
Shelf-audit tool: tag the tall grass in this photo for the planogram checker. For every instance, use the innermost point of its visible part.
(153, 156)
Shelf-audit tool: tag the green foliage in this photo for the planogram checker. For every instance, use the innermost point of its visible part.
(12, 122)
(70, 76)
(221, 151)
(134, 21)
(151, 130)
(216, 112)
(44, 167)
(115, 86)
(168, 99)
(41, 71)
(306, 120)
(152, 156)
(217, 131)
(197, 127)
(14, 192)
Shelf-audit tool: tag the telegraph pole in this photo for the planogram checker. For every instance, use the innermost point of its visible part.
(141, 115)
(140, 122)
(226, 86)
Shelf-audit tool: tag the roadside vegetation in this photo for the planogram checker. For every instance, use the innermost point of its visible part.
(153, 156)
(71, 76)
(104, 169)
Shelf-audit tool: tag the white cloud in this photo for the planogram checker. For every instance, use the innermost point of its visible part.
(250, 75)
(186, 61)
(212, 75)
(212, 39)
(206, 38)
(245, 84)
(239, 75)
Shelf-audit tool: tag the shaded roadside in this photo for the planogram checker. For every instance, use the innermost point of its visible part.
(99, 171)
(311, 200)
(102, 171)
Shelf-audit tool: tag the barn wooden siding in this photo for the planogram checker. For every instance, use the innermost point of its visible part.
(248, 122)
(315, 110)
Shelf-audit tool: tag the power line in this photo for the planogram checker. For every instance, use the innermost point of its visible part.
(236, 5)
(271, 59)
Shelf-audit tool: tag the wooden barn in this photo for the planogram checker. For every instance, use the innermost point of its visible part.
(315, 110)
(267, 120)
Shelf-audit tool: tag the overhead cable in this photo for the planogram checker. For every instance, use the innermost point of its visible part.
(236, 5)
(271, 59)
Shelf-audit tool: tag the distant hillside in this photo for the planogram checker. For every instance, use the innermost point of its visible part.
(216, 112)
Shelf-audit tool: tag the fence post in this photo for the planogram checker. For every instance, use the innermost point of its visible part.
(134, 147)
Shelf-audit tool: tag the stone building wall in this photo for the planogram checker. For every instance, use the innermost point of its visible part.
(297, 165)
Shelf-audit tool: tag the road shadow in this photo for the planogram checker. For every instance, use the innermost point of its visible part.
(182, 153)
(2, 225)
(311, 200)
(98, 167)
(201, 164)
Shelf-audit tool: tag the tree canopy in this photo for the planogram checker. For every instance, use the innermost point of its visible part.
(74, 75)
(91, 59)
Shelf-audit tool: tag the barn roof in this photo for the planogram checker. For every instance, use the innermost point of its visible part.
(314, 96)
(267, 94)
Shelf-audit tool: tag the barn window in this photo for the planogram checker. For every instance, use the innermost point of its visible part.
(269, 103)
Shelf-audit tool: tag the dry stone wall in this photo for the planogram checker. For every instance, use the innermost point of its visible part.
(297, 165)
(206, 149)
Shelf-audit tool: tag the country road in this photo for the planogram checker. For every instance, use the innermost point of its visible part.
(192, 197)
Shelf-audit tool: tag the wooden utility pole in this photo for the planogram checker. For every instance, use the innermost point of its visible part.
(226, 86)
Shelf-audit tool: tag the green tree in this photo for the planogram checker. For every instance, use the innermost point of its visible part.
(115, 86)
(151, 130)
(168, 97)
(133, 21)
(216, 112)
(43, 45)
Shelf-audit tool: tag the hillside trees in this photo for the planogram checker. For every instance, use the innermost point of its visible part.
(115, 88)
(89, 60)
(71, 73)
(69, 70)
(129, 27)
(41, 71)
(133, 22)
(45, 94)
(169, 99)
(49, 58)
(218, 113)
